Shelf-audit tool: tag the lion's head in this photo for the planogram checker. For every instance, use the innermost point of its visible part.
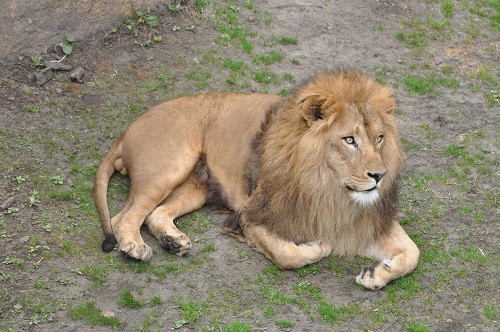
(330, 157)
(351, 115)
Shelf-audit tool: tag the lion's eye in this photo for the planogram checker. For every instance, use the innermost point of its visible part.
(380, 138)
(350, 140)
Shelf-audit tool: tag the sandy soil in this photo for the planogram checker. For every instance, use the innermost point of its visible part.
(53, 135)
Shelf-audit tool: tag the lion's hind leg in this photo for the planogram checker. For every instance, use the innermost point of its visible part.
(186, 198)
(285, 254)
(397, 254)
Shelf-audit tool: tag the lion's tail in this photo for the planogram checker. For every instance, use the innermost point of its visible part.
(110, 163)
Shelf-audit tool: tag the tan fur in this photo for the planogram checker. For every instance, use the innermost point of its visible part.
(308, 175)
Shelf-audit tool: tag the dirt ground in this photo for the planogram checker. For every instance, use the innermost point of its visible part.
(441, 58)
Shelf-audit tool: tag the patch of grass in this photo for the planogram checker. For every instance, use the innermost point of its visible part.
(268, 58)
(428, 84)
(287, 40)
(202, 79)
(416, 38)
(96, 273)
(275, 296)
(332, 313)
(92, 315)
(127, 300)
(266, 77)
(284, 323)
(403, 289)
(490, 312)
(191, 311)
(238, 327)
(231, 29)
(209, 247)
(469, 254)
(447, 8)
(417, 327)
(308, 270)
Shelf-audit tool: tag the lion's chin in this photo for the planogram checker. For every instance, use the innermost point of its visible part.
(364, 198)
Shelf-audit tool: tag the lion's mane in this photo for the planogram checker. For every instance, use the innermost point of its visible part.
(293, 192)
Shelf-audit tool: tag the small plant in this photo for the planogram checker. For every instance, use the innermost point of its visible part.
(417, 327)
(127, 300)
(67, 44)
(176, 28)
(33, 199)
(20, 179)
(32, 108)
(12, 210)
(175, 7)
(66, 281)
(47, 227)
(178, 324)
(57, 180)
(13, 261)
(37, 61)
(447, 8)
(287, 40)
(285, 324)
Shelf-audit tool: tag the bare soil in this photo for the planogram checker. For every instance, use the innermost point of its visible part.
(53, 135)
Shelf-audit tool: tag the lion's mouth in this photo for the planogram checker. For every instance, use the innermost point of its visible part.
(364, 197)
(362, 191)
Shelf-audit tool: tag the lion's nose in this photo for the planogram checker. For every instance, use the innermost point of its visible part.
(376, 176)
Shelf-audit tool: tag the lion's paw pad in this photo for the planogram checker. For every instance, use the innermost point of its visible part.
(141, 252)
(179, 245)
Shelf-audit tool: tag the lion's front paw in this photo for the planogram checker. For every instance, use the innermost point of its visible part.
(179, 245)
(372, 277)
(140, 251)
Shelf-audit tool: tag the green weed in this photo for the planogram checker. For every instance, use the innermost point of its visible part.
(417, 327)
(447, 8)
(268, 58)
(127, 300)
(92, 315)
(191, 311)
(490, 312)
(332, 313)
(284, 323)
(266, 77)
(287, 40)
(238, 327)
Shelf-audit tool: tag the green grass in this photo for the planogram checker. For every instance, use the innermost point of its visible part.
(287, 40)
(268, 58)
(428, 84)
(127, 300)
(238, 327)
(417, 327)
(447, 8)
(92, 315)
(284, 323)
(332, 313)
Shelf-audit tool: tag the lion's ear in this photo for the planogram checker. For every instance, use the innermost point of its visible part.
(311, 109)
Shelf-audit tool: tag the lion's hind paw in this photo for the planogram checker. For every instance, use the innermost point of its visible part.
(180, 245)
(141, 252)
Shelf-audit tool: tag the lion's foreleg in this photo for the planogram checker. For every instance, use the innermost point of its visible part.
(285, 254)
(397, 255)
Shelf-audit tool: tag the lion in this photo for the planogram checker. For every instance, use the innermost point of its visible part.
(308, 175)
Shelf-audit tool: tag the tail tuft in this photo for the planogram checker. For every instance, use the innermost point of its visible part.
(109, 243)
